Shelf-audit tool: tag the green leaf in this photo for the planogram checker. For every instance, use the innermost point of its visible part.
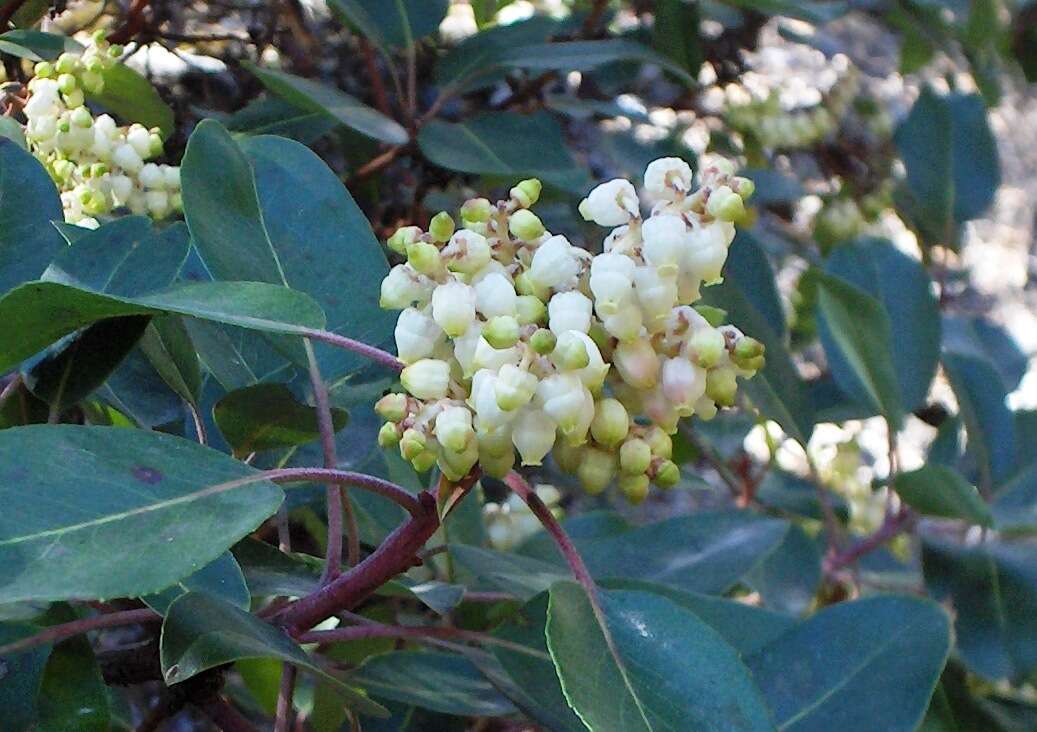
(513, 573)
(13, 131)
(168, 347)
(267, 417)
(73, 695)
(473, 63)
(128, 95)
(750, 297)
(397, 23)
(28, 203)
(201, 632)
(504, 144)
(443, 682)
(314, 96)
(35, 45)
(635, 681)
(38, 313)
(904, 289)
(992, 587)
(440, 597)
(859, 330)
(221, 578)
(855, 666)
(588, 55)
(788, 579)
(99, 512)
(1015, 506)
(788, 492)
(988, 421)
(269, 571)
(271, 211)
(936, 490)
(22, 677)
(537, 690)
(273, 116)
(675, 33)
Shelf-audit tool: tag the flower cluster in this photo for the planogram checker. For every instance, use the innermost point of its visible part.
(516, 339)
(510, 523)
(96, 164)
(777, 128)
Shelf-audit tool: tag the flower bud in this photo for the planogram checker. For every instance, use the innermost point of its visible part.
(454, 428)
(611, 204)
(721, 386)
(533, 435)
(596, 471)
(423, 463)
(712, 315)
(495, 295)
(625, 324)
(569, 311)
(412, 443)
(67, 83)
(127, 158)
(635, 456)
(404, 236)
(401, 288)
(570, 352)
(543, 341)
(389, 435)
(567, 457)
(611, 422)
(705, 409)
(92, 82)
(468, 252)
(682, 382)
(743, 187)
(525, 225)
(665, 239)
(663, 412)
(74, 99)
(43, 69)
(501, 332)
(441, 227)
(634, 487)
(427, 378)
(611, 282)
(568, 402)
(554, 264)
(527, 192)
(637, 362)
(666, 179)
(488, 357)
(417, 336)
(706, 252)
(747, 348)
(425, 258)
(656, 295)
(530, 310)
(497, 466)
(456, 464)
(81, 117)
(514, 387)
(453, 307)
(525, 285)
(667, 474)
(391, 407)
(476, 211)
(158, 203)
(66, 63)
(725, 205)
(660, 442)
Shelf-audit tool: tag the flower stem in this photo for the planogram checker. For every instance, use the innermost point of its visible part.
(359, 347)
(56, 633)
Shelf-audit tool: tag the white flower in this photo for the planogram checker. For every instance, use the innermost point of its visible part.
(593, 373)
(427, 378)
(569, 311)
(417, 335)
(468, 251)
(127, 158)
(454, 429)
(488, 357)
(568, 402)
(707, 251)
(683, 383)
(533, 435)
(495, 295)
(656, 294)
(625, 324)
(667, 178)
(554, 264)
(665, 239)
(611, 204)
(157, 203)
(611, 281)
(484, 400)
(514, 387)
(140, 139)
(453, 307)
(637, 362)
(401, 288)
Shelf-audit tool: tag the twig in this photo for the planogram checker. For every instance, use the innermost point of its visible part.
(284, 534)
(831, 521)
(8, 12)
(892, 526)
(381, 98)
(488, 597)
(199, 425)
(371, 352)
(60, 632)
(726, 474)
(377, 163)
(134, 23)
(371, 483)
(283, 715)
(337, 500)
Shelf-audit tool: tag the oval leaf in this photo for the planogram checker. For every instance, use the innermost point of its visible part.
(936, 490)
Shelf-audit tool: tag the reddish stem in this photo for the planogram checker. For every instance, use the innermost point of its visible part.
(227, 717)
(349, 344)
(60, 632)
(134, 23)
(283, 713)
(892, 526)
(363, 481)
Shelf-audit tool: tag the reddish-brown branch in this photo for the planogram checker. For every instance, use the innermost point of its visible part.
(226, 717)
(359, 347)
(381, 98)
(363, 481)
(893, 525)
(283, 713)
(60, 632)
(377, 163)
(8, 11)
(134, 23)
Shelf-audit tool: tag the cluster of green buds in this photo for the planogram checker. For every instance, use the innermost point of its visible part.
(96, 164)
(516, 339)
(777, 128)
(842, 217)
(510, 523)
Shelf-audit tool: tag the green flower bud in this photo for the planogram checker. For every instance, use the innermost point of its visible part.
(634, 457)
(497, 466)
(747, 348)
(413, 443)
(389, 435)
(44, 69)
(441, 227)
(659, 441)
(476, 211)
(81, 117)
(456, 464)
(570, 353)
(115, 50)
(707, 346)
(543, 341)
(98, 169)
(67, 83)
(611, 422)
(726, 205)
(425, 258)
(721, 386)
(599, 335)
(667, 474)
(527, 192)
(92, 81)
(74, 99)
(714, 316)
(156, 146)
(753, 364)
(525, 285)
(501, 332)
(567, 457)
(530, 310)
(403, 237)
(424, 462)
(392, 407)
(634, 487)
(66, 63)
(64, 125)
(525, 225)
(597, 470)
(743, 187)
(99, 36)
